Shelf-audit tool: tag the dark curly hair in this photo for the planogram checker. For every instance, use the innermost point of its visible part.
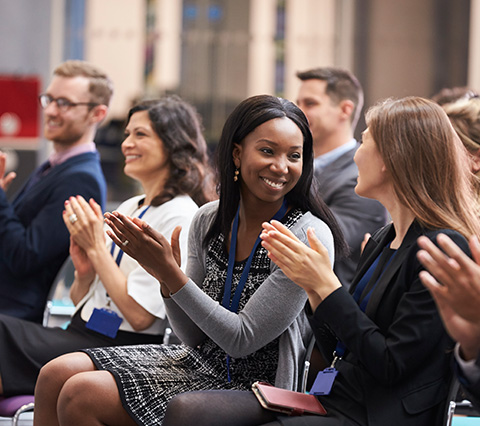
(178, 125)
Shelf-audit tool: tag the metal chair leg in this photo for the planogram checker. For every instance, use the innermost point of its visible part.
(22, 409)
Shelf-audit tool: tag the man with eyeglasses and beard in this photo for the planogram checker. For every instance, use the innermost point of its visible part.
(34, 241)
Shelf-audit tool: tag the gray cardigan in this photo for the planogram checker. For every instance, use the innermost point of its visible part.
(276, 308)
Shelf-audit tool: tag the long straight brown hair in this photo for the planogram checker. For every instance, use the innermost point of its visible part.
(427, 162)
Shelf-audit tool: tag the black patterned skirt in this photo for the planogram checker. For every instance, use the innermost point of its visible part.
(148, 376)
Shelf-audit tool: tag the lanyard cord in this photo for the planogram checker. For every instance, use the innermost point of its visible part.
(120, 253)
(374, 273)
(233, 305)
(227, 292)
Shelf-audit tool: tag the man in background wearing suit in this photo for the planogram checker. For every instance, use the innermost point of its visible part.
(34, 241)
(332, 100)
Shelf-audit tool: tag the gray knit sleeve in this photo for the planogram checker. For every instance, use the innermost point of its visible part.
(268, 313)
(186, 329)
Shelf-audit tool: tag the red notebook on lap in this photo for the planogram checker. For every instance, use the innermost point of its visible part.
(287, 402)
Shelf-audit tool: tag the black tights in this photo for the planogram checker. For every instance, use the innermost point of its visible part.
(217, 408)
(239, 408)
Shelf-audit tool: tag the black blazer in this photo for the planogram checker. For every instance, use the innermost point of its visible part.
(396, 370)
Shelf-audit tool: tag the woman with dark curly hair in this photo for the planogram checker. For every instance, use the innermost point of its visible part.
(117, 301)
(178, 126)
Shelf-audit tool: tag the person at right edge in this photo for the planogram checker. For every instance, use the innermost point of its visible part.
(332, 100)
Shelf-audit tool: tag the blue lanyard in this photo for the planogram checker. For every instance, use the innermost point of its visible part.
(227, 292)
(340, 348)
(120, 253)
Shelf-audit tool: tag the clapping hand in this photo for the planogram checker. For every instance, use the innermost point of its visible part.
(81, 262)
(85, 223)
(149, 248)
(454, 282)
(308, 267)
(5, 181)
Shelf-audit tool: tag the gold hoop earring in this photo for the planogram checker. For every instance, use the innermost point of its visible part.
(236, 173)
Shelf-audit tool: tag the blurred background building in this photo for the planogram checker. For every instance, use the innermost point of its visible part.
(214, 53)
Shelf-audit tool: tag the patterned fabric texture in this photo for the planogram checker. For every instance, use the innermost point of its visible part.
(148, 376)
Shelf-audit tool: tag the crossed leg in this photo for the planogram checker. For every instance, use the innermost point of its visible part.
(71, 391)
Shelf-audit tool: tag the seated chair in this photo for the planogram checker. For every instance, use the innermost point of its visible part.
(460, 411)
(14, 406)
(313, 363)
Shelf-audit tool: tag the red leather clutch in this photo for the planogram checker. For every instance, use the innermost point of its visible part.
(286, 401)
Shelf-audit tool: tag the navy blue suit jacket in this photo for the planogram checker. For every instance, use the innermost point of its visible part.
(34, 241)
(396, 370)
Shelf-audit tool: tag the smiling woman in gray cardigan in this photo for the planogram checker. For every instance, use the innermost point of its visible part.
(240, 318)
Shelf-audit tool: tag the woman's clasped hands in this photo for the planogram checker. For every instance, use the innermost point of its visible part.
(150, 249)
(84, 222)
(308, 267)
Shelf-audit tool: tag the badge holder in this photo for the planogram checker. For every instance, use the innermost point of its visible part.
(324, 380)
(104, 321)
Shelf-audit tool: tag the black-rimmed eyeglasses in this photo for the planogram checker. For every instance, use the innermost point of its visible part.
(62, 103)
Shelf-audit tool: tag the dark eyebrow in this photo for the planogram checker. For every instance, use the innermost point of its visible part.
(136, 129)
(264, 140)
(308, 99)
(60, 97)
(276, 144)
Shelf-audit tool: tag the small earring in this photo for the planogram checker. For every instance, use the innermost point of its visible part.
(236, 173)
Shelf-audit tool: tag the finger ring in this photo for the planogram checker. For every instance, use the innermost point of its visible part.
(73, 218)
(125, 243)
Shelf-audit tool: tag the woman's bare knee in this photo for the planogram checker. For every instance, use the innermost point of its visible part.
(56, 372)
(50, 382)
(77, 395)
(91, 398)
